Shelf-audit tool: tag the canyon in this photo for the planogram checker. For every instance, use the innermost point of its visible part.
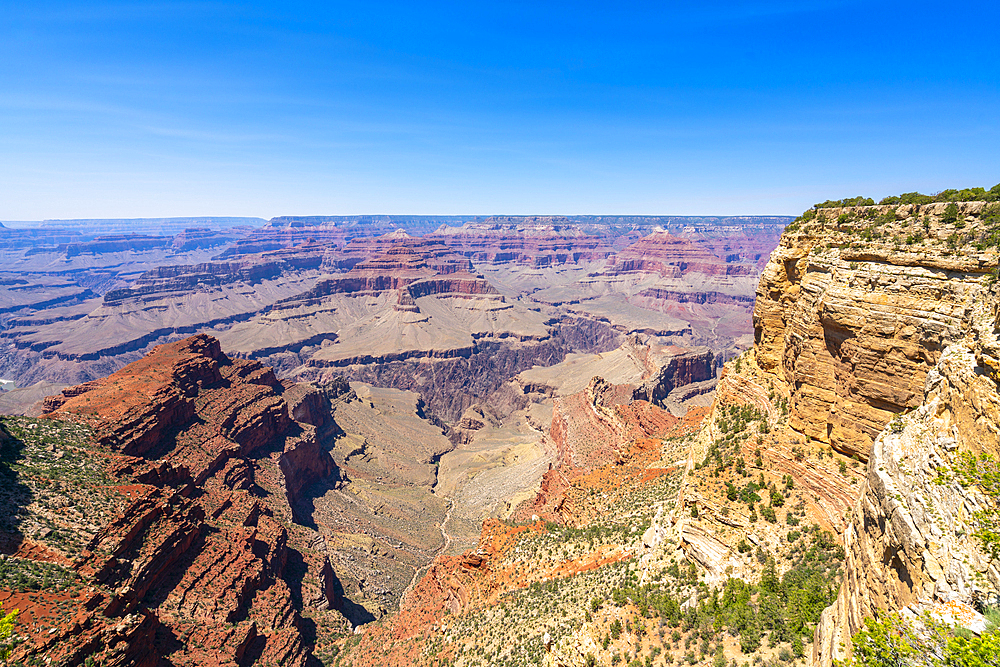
(505, 441)
(395, 422)
(820, 461)
(472, 304)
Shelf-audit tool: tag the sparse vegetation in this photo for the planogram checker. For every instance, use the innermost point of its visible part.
(53, 483)
(891, 641)
(983, 473)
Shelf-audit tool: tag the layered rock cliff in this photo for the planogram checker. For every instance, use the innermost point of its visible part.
(528, 241)
(201, 563)
(874, 341)
(910, 543)
(857, 304)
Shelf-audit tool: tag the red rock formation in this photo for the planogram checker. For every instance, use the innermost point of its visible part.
(750, 245)
(532, 241)
(672, 257)
(193, 572)
(603, 440)
(417, 267)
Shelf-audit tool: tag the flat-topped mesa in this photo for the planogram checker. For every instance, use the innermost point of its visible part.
(672, 257)
(409, 254)
(115, 243)
(684, 367)
(165, 280)
(530, 241)
(418, 266)
(856, 305)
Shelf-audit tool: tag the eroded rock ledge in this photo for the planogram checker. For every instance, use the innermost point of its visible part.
(203, 565)
(909, 541)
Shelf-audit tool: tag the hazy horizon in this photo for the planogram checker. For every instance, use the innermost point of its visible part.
(380, 215)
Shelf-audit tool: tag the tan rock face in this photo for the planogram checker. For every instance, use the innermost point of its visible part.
(853, 328)
(909, 539)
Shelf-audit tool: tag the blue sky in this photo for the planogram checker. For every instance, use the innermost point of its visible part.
(170, 109)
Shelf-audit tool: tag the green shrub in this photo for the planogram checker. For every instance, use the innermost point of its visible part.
(950, 214)
(892, 642)
(7, 632)
(982, 472)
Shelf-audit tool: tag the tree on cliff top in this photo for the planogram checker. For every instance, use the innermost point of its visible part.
(949, 195)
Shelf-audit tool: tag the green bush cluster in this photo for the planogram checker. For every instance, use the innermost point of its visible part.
(851, 201)
(892, 641)
(989, 228)
(783, 609)
(21, 574)
(950, 195)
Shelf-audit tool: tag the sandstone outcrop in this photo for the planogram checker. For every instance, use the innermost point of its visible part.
(910, 540)
(853, 328)
(195, 567)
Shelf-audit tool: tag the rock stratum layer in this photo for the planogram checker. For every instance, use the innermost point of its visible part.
(909, 542)
(310, 295)
(207, 460)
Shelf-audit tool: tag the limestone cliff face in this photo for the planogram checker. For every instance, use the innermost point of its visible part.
(909, 540)
(856, 306)
(875, 336)
(878, 324)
